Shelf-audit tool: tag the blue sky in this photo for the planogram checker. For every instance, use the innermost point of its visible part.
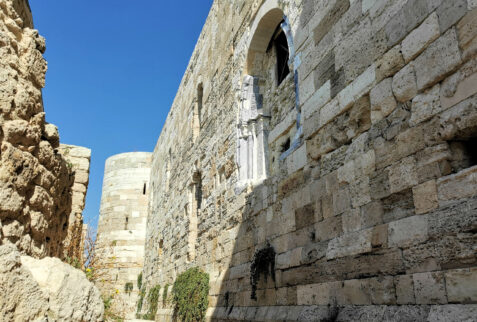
(114, 67)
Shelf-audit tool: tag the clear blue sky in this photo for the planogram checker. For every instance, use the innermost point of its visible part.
(114, 67)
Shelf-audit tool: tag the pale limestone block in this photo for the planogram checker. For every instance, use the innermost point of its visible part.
(438, 60)
(289, 259)
(80, 164)
(359, 87)
(403, 175)
(389, 64)
(79, 187)
(425, 197)
(360, 192)
(350, 244)
(329, 112)
(355, 292)
(307, 87)
(404, 84)
(79, 152)
(467, 31)
(429, 288)
(318, 100)
(465, 89)
(420, 38)
(283, 127)
(382, 100)
(457, 186)
(461, 285)
(426, 105)
(408, 231)
(367, 4)
(351, 221)
(346, 173)
(317, 294)
(297, 160)
(404, 289)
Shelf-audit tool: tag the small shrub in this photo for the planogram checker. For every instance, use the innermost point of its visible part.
(164, 294)
(128, 287)
(152, 300)
(263, 263)
(190, 295)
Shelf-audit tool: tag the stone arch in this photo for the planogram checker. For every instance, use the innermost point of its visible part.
(254, 116)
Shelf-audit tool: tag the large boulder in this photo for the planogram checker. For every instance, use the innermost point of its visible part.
(45, 290)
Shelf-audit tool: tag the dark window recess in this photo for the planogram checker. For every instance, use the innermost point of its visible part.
(285, 146)
(464, 153)
(283, 54)
(200, 99)
(144, 189)
(47, 239)
(198, 194)
(126, 223)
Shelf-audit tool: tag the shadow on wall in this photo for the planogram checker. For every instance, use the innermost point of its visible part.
(313, 245)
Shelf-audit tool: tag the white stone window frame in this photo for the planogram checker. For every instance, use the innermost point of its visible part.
(253, 124)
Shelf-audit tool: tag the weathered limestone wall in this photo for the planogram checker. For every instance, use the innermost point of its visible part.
(364, 183)
(78, 159)
(122, 226)
(35, 180)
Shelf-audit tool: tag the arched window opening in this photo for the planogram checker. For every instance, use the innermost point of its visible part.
(144, 189)
(126, 223)
(282, 53)
(196, 122)
(268, 98)
(161, 247)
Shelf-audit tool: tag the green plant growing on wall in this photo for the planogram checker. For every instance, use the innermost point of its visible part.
(128, 287)
(152, 301)
(139, 303)
(139, 281)
(164, 294)
(190, 295)
(263, 263)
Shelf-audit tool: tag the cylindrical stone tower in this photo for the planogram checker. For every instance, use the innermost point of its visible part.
(122, 227)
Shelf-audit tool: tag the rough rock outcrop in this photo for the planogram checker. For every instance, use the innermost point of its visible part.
(36, 181)
(45, 290)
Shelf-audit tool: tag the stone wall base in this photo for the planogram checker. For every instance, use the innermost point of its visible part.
(364, 313)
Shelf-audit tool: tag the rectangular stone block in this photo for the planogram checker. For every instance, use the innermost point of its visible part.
(305, 216)
(403, 175)
(461, 285)
(420, 38)
(450, 12)
(429, 288)
(317, 294)
(359, 87)
(408, 231)
(405, 84)
(438, 60)
(350, 244)
(328, 228)
(426, 105)
(467, 28)
(404, 289)
(425, 197)
(382, 100)
(457, 186)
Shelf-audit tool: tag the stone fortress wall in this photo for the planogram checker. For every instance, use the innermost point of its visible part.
(37, 182)
(122, 225)
(358, 169)
(78, 159)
